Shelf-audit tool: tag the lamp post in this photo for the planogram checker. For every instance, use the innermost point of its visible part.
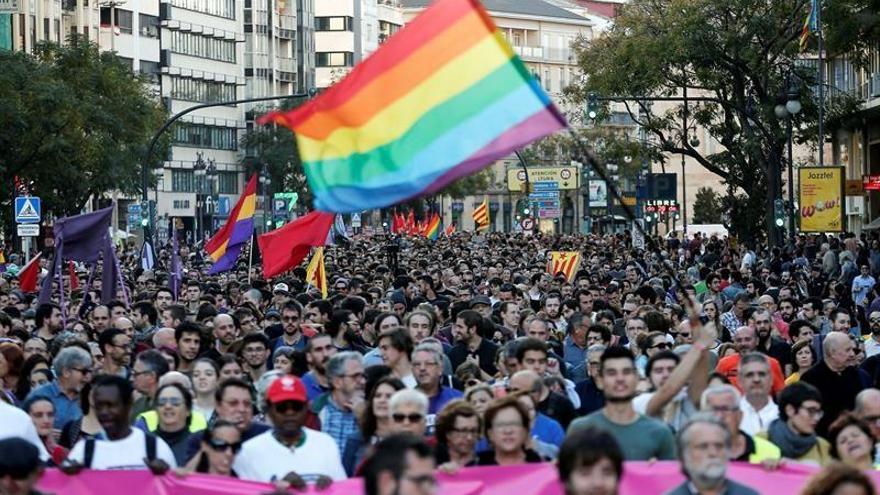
(212, 200)
(199, 167)
(787, 110)
(266, 181)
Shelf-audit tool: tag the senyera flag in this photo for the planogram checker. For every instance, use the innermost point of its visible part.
(565, 262)
(443, 98)
(225, 246)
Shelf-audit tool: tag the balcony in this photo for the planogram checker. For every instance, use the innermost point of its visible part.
(286, 64)
(530, 53)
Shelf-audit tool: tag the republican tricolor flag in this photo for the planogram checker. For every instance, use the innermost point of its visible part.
(225, 246)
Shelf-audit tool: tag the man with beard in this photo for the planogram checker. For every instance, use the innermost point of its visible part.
(269, 457)
(746, 341)
(48, 321)
(788, 309)
(470, 345)
(225, 333)
(776, 348)
(188, 336)
(641, 438)
(116, 346)
(319, 350)
(552, 306)
(704, 449)
(291, 315)
(254, 355)
(338, 412)
(872, 344)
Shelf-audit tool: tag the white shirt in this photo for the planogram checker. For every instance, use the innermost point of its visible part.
(125, 453)
(410, 381)
(754, 421)
(264, 458)
(16, 423)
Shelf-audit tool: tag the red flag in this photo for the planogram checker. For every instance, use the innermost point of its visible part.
(74, 280)
(397, 223)
(27, 276)
(411, 223)
(285, 248)
(450, 230)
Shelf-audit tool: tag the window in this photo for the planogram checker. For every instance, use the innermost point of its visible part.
(151, 70)
(123, 20)
(149, 25)
(182, 180)
(206, 136)
(334, 59)
(333, 23)
(219, 8)
(203, 46)
(184, 88)
(227, 183)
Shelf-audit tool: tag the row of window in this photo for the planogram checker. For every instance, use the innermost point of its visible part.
(185, 180)
(334, 59)
(124, 22)
(198, 90)
(206, 136)
(220, 8)
(333, 23)
(203, 46)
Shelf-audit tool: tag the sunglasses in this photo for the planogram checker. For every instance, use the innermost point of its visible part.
(290, 405)
(410, 418)
(662, 346)
(218, 445)
(174, 401)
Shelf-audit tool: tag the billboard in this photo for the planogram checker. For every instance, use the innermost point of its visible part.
(598, 194)
(820, 200)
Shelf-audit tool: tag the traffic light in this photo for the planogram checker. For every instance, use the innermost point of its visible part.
(592, 106)
(145, 215)
(779, 212)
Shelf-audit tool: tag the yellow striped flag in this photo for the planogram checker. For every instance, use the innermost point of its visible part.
(565, 262)
(315, 274)
(481, 215)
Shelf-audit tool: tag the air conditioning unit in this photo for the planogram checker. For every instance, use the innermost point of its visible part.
(855, 206)
(875, 84)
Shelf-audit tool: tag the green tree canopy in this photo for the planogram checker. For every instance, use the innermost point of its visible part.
(742, 53)
(75, 123)
(707, 207)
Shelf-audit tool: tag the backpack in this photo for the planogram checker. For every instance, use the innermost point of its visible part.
(89, 453)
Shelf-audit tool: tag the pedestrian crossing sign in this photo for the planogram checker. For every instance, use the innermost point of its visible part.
(27, 209)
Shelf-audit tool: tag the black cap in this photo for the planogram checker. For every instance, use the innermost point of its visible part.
(481, 299)
(18, 457)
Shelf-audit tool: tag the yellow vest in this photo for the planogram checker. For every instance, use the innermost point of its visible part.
(197, 421)
(764, 450)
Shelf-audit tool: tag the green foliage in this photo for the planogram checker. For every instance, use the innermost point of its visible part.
(707, 207)
(739, 52)
(75, 123)
(851, 27)
(274, 146)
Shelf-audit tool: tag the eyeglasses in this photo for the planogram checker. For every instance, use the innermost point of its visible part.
(84, 371)
(472, 432)
(872, 419)
(289, 405)
(290, 318)
(501, 425)
(872, 320)
(218, 445)
(408, 418)
(725, 409)
(121, 346)
(814, 412)
(662, 346)
(172, 401)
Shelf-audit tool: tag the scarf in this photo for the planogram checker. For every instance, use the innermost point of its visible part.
(792, 444)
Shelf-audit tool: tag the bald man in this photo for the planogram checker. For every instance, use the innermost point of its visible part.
(549, 403)
(547, 429)
(225, 334)
(164, 337)
(836, 377)
(868, 409)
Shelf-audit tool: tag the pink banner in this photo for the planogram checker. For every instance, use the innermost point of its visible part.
(531, 479)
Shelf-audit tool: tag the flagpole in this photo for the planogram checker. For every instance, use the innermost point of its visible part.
(250, 257)
(821, 79)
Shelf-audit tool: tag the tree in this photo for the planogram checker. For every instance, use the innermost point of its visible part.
(707, 207)
(75, 123)
(742, 53)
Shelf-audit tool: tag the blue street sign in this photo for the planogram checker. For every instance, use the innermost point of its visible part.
(548, 204)
(223, 206)
(27, 209)
(546, 185)
(544, 195)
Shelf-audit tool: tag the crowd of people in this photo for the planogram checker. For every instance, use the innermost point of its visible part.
(430, 356)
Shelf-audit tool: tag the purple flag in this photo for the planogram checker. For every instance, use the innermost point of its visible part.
(176, 275)
(84, 238)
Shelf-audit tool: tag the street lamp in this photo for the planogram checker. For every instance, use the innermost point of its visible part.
(786, 109)
(266, 181)
(199, 167)
(212, 201)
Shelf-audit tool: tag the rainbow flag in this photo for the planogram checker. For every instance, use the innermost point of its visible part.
(432, 229)
(810, 25)
(441, 99)
(225, 246)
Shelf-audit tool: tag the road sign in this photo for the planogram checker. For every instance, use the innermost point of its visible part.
(546, 185)
(355, 220)
(565, 177)
(28, 230)
(549, 213)
(527, 223)
(552, 204)
(27, 209)
(544, 195)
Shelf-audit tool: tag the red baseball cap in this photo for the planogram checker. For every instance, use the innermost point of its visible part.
(287, 387)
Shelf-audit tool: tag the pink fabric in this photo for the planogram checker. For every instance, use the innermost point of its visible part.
(640, 478)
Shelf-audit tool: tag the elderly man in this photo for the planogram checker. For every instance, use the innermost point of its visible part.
(345, 374)
(164, 337)
(427, 365)
(587, 389)
(148, 368)
(704, 450)
(868, 410)
(73, 369)
(723, 401)
(409, 410)
(225, 333)
(757, 406)
(746, 341)
(836, 378)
